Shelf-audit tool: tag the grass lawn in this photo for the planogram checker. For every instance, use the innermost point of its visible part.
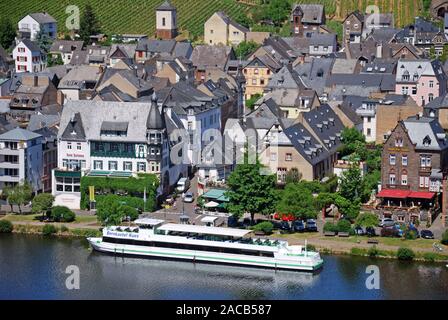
(34, 218)
(86, 219)
(399, 242)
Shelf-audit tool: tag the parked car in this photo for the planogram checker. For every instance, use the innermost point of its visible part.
(386, 222)
(189, 198)
(311, 225)
(390, 232)
(298, 226)
(359, 231)
(183, 184)
(232, 222)
(370, 232)
(427, 234)
(285, 227)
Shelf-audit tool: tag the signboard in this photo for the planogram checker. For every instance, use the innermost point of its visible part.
(92, 193)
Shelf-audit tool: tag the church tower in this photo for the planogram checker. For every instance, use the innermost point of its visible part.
(166, 21)
(155, 136)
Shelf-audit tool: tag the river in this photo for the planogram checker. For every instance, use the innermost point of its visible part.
(33, 267)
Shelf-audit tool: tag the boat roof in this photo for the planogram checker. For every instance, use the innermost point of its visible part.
(149, 221)
(218, 231)
(209, 219)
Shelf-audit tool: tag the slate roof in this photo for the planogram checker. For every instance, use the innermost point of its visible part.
(228, 20)
(315, 73)
(426, 133)
(38, 121)
(155, 120)
(32, 46)
(344, 66)
(74, 129)
(384, 66)
(285, 78)
(65, 46)
(42, 17)
(438, 103)
(211, 56)
(312, 13)
(18, 134)
(419, 68)
(306, 144)
(166, 6)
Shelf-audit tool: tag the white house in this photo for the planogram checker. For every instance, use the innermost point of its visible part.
(28, 57)
(33, 23)
(21, 158)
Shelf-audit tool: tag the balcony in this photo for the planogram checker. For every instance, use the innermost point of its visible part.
(9, 179)
(425, 169)
(398, 186)
(9, 165)
(118, 154)
(8, 151)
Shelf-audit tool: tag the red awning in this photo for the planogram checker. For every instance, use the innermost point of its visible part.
(421, 195)
(393, 193)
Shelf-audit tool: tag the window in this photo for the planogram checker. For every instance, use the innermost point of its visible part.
(163, 22)
(414, 90)
(288, 157)
(254, 82)
(404, 90)
(369, 119)
(256, 71)
(430, 97)
(392, 178)
(78, 146)
(141, 166)
(399, 142)
(273, 156)
(404, 180)
(431, 84)
(113, 165)
(369, 132)
(211, 31)
(424, 182)
(392, 159)
(262, 81)
(69, 145)
(98, 165)
(127, 166)
(425, 161)
(404, 160)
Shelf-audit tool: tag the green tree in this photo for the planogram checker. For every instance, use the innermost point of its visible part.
(278, 11)
(112, 211)
(444, 55)
(243, 19)
(293, 176)
(296, 199)
(7, 193)
(89, 24)
(250, 103)
(42, 203)
(20, 195)
(352, 140)
(432, 53)
(62, 214)
(351, 184)
(7, 32)
(367, 220)
(54, 60)
(251, 191)
(245, 48)
(6, 226)
(43, 41)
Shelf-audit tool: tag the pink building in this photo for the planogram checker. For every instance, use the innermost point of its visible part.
(422, 80)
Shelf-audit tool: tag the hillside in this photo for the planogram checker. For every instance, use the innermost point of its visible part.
(130, 16)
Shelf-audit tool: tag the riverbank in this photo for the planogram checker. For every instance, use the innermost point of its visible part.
(87, 226)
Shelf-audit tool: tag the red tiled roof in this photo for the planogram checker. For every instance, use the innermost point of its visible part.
(393, 193)
(421, 195)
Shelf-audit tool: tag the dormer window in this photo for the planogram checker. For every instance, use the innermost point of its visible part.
(427, 141)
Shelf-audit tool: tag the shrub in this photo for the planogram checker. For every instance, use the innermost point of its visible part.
(373, 252)
(430, 256)
(64, 228)
(264, 226)
(6, 226)
(330, 227)
(410, 234)
(358, 251)
(310, 247)
(62, 214)
(405, 254)
(445, 238)
(344, 225)
(49, 229)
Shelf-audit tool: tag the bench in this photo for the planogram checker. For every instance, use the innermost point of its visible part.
(259, 233)
(343, 234)
(329, 234)
(372, 241)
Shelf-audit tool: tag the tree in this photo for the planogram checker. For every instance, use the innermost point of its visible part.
(20, 195)
(278, 11)
(250, 191)
(243, 19)
(353, 140)
(432, 53)
(8, 192)
(54, 60)
(111, 211)
(6, 226)
(293, 176)
(296, 199)
(250, 103)
(367, 220)
(444, 55)
(43, 41)
(351, 184)
(245, 48)
(89, 24)
(62, 214)
(7, 32)
(42, 203)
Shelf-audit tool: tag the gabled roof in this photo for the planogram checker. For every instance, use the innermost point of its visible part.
(357, 14)
(42, 17)
(312, 13)
(19, 134)
(74, 129)
(286, 78)
(426, 133)
(32, 46)
(65, 46)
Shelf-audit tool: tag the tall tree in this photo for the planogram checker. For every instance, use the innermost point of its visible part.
(7, 32)
(89, 24)
(245, 48)
(20, 195)
(42, 203)
(293, 176)
(298, 200)
(278, 11)
(351, 185)
(251, 191)
(43, 41)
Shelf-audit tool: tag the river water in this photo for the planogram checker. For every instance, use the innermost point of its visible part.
(33, 267)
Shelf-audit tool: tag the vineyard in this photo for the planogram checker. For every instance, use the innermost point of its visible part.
(130, 16)
(126, 16)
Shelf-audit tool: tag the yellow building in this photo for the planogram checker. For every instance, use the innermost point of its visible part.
(257, 73)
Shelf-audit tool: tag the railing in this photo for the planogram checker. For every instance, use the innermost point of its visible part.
(117, 154)
(398, 186)
(425, 169)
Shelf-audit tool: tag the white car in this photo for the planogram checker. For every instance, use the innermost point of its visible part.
(188, 198)
(386, 222)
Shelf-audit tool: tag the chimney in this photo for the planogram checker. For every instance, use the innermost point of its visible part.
(379, 50)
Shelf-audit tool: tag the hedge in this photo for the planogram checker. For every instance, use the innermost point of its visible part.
(265, 226)
(49, 229)
(405, 254)
(62, 214)
(133, 186)
(6, 226)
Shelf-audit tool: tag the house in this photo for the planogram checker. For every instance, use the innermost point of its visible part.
(121, 53)
(114, 139)
(438, 108)
(206, 58)
(321, 44)
(30, 25)
(65, 49)
(149, 48)
(21, 158)
(80, 82)
(353, 26)
(29, 57)
(221, 29)
(176, 70)
(49, 156)
(307, 19)
(257, 72)
(413, 159)
(423, 80)
(315, 73)
(166, 21)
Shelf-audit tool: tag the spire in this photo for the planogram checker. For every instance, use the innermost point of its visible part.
(155, 120)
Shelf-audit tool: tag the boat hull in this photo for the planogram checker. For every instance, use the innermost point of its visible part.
(205, 256)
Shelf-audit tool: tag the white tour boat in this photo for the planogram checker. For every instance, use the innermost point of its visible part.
(155, 238)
